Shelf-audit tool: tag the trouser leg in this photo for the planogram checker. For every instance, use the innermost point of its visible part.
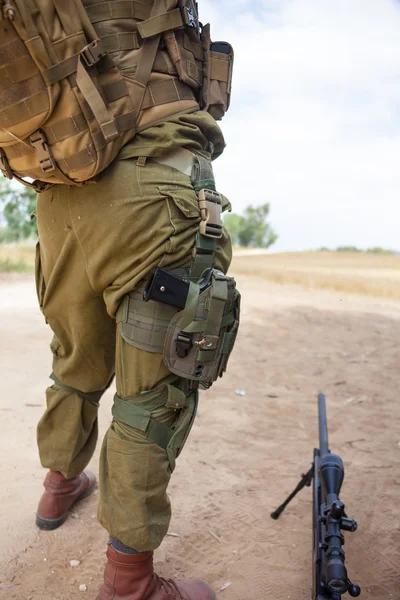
(83, 346)
(134, 219)
(67, 432)
(134, 472)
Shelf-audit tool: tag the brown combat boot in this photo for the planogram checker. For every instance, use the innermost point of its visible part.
(132, 577)
(60, 495)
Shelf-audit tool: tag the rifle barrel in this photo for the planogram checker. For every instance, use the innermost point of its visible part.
(323, 426)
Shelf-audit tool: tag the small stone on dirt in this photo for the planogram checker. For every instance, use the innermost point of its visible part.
(75, 516)
(225, 587)
(240, 392)
(83, 587)
(74, 563)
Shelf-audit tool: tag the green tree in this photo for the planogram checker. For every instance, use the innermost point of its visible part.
(251, 230)
(234, 224)
(16, 206)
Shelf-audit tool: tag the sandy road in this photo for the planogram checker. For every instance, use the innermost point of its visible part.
(244, 455)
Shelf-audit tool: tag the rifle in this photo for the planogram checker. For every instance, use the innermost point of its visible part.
(330, 580)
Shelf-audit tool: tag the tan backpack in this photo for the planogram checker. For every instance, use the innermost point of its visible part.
(79, 79)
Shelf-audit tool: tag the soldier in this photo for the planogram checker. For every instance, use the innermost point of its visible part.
(154, 206)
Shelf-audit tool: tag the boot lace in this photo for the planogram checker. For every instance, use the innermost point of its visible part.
(169, 586)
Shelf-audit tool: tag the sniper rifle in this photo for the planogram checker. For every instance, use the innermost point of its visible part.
(330, 580)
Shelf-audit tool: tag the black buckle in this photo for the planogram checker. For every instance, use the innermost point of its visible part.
(92, 53)
(183, 344)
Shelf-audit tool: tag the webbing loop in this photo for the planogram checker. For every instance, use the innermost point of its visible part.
(92, 397)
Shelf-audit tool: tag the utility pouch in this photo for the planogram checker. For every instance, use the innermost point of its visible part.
(200, 338)
(217, 75)
(184, 45)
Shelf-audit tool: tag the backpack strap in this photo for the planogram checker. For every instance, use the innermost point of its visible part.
(147, 57)
(102, 114)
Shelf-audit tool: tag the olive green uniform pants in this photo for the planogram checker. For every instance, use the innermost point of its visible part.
(97, 243)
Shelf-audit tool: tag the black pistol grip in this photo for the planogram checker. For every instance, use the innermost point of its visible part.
(167, 288)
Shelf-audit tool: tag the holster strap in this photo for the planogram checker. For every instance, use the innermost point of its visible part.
(210, 203)
(165, 395)
(140, 418)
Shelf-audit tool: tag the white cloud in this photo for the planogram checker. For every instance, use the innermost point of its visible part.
(314, 126)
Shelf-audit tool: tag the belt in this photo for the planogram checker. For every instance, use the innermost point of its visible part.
(180, 159)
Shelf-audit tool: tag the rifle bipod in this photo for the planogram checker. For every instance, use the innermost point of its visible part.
(306, 481)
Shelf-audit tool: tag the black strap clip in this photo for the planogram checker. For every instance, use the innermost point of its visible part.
(183, 344)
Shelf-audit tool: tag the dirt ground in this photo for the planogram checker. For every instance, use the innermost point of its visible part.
(245, 454)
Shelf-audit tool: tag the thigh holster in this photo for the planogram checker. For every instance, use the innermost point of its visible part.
(190, 316)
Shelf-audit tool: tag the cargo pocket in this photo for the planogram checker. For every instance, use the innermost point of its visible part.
(183, 203)
(184, 214)
(39, 279)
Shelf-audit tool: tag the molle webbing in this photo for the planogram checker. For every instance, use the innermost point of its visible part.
(145, 323)
(119, 9)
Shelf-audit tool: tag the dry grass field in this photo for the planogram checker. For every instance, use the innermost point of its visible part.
(17, 257)
(359, 273)
(365, 274)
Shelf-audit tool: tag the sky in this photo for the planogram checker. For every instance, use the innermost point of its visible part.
(314, 123)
